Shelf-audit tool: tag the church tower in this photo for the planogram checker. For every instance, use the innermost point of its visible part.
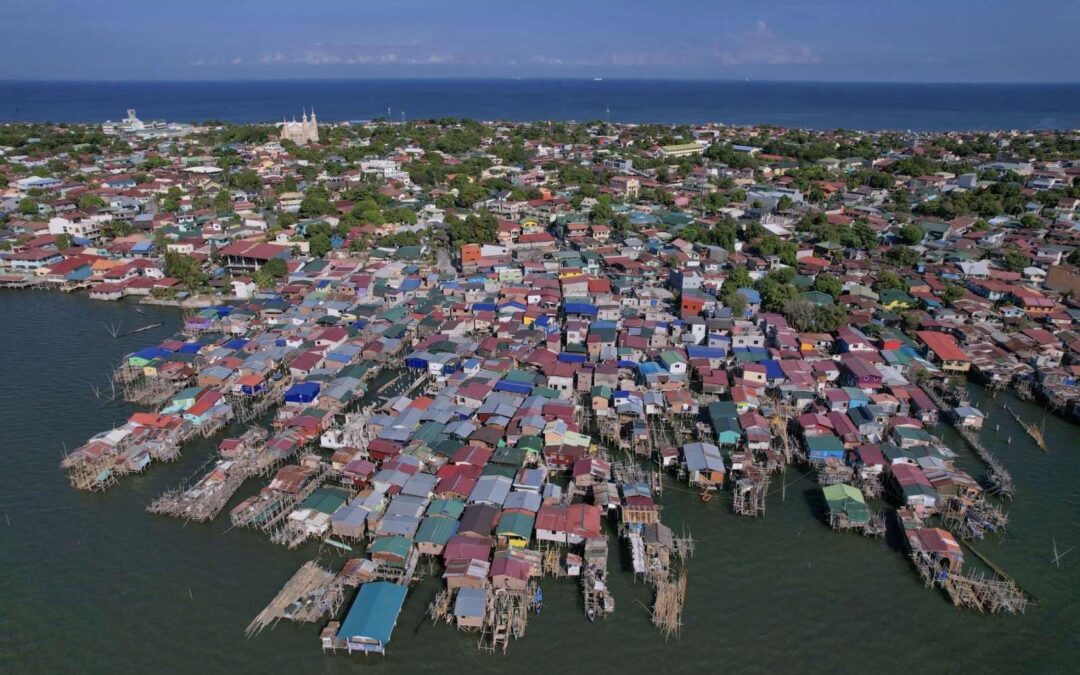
(303, 132)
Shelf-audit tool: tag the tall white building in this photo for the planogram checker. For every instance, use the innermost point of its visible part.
(303, 132)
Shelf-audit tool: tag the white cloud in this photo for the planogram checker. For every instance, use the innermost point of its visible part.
(761, 46)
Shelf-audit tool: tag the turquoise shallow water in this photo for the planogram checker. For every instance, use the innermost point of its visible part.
(94, 584)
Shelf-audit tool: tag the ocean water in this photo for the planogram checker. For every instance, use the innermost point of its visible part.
(814, 105)
(91, 583)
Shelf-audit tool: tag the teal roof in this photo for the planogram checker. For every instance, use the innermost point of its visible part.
(450, 508)
(374, 613)
(396, 545)
(326, 500)
(515, 523)
(436, 529)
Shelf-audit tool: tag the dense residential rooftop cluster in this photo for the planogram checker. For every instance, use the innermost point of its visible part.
(722, 300)
(971, 234)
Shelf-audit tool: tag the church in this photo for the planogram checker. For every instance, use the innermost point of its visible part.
(303, 132)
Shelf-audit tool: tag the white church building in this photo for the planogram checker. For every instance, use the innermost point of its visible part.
(303, 132)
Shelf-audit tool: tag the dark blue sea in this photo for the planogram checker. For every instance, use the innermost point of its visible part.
(813, 105)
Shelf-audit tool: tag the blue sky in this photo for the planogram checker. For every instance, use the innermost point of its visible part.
(836, 40)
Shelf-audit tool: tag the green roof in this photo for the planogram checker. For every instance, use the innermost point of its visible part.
(450, 508)
(396, 546)
(436, 529)
(515, 523)
(848, 500)
(326, 500)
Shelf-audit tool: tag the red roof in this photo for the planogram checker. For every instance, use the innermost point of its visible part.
(943, 345)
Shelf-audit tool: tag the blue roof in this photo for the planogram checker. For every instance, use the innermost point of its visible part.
(190, 348)
(238, 343)
(772, 369)
(374, 613)
(410, 284)
(143, 246)
(151, 353)
(581, 308)
(513, 387)
(569, 357)
(699, 352)
(750, 294)
(302, 392)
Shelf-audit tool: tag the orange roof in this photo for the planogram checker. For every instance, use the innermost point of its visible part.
(422, 403)
(943, 345)
(150, 419)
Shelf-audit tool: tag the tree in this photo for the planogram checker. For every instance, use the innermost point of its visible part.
(319, 245)
(774, 294)
(63, 241)
(262, 278)
(1014, 260)
(784, 203)
(887, 280)
(248, 181)
(120, 228)
(276, 268)
(601, 212)
(315, 204)
(28, 207)
(737, 303)
(185, 269)
(911, 234)
(172, 199)
(222, 202)
(902, 255)
(800, 313)
(89, 201)
(1030, 221)
(828, 284)
(473, 230)
(952, 293)
(829, 318)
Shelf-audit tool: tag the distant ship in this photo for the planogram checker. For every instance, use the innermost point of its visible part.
(598, 79)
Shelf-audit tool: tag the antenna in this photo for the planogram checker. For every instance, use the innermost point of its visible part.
(608, 111)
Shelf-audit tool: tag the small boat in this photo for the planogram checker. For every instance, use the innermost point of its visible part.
(538, 599)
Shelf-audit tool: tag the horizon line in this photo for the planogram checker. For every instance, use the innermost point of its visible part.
(582, 78)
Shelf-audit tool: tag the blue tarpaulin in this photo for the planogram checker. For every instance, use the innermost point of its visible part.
(302, 392)
(567, 357)
(151, 353)
(699, 352)
(513, 387)
(580, 308)
(772, 369)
